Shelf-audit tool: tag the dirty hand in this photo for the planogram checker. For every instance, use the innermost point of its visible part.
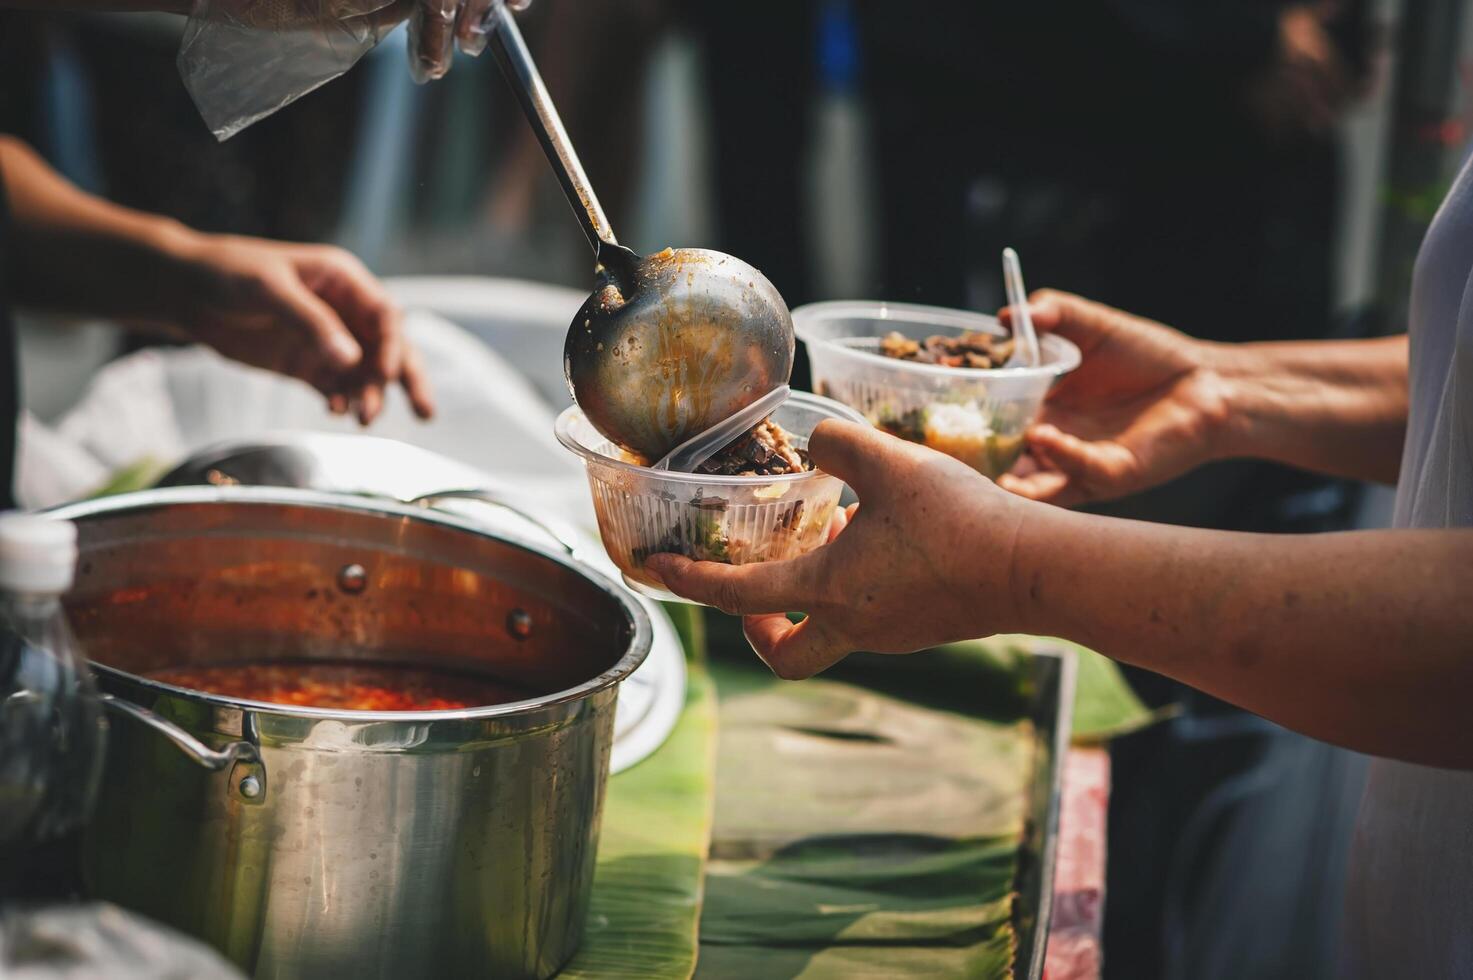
(925, 559)
(1146, 405)
(311, 312)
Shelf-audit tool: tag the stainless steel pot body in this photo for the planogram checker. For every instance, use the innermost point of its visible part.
(316, 843)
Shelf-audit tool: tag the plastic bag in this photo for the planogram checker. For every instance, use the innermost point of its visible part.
(242, 60)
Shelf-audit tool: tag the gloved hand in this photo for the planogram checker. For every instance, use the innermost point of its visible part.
(434, 25)
(244, 59)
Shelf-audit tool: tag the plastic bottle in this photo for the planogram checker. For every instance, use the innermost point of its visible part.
(51, 725)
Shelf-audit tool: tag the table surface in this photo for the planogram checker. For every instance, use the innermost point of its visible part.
(1074, 942)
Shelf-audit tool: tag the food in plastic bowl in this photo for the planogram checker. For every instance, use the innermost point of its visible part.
(977, 415)
(733, 519)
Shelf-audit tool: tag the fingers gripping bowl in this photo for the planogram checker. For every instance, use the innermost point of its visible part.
(976, 415)
(734, 519)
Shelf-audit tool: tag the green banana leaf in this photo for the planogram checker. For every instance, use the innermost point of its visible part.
(651, 855)
(647, 887)
(1104, 704)
(980, 678)
(860, 833)
(869, 821)
(139, 475)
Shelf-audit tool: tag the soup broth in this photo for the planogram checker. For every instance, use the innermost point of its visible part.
(351, 686)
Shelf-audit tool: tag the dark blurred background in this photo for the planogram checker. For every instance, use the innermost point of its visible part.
(1240, 169)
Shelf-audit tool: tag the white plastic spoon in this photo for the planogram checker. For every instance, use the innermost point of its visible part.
(1025, 350)
(685, 457)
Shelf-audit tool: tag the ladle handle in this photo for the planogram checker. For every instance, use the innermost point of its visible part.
(516, 63)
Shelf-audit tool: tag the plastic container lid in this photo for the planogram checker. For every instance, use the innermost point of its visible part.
(38, 555)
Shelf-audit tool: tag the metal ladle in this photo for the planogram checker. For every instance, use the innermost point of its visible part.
(669, 344)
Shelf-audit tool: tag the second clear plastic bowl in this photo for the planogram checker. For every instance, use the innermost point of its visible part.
(977, 416)
(734, 519)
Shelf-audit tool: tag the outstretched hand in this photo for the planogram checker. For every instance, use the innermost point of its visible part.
(311, 312)
(926, 558)
(1145, 406)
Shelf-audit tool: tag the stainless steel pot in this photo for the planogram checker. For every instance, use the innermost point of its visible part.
(314, 842)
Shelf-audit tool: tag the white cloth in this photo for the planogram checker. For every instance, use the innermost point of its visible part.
(1409, 899)
(162, 405)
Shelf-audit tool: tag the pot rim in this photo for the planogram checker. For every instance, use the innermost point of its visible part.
(641, 636)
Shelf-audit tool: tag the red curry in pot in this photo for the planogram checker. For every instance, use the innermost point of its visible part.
(351, 686)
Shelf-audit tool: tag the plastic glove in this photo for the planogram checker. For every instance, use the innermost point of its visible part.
(242, 60)
(435, 25)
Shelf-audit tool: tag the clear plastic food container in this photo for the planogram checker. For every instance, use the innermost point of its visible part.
(977, 416)
(734, 519)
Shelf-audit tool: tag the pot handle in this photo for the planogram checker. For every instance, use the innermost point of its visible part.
(495, 499)
(247, 771)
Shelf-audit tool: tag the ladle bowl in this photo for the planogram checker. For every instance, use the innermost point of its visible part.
(669, 344)
(674, 344)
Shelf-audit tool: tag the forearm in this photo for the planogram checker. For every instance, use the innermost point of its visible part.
(1333, 407)
(79, 254)
(1364, 639)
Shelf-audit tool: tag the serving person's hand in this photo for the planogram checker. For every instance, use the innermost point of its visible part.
(1145, 405)
(306, 311)
(894, 581)
(437, 26)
